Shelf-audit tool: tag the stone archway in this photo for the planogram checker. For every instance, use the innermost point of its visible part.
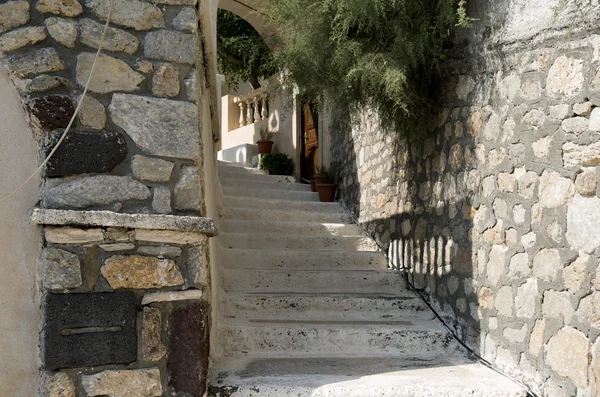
(122, 203)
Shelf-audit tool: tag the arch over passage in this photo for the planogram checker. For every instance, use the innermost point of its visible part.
(247, 10)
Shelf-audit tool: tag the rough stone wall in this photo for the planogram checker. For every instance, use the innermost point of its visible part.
(495, 215)
(135, 142)
(135, 148)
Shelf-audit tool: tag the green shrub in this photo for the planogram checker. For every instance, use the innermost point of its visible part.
(277, 164)
(383, 55)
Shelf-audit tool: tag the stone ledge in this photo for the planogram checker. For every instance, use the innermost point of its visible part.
(195, 224)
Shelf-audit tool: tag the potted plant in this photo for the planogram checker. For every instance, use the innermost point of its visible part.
(326, 186)
(320, 175)
(277, 164)
(265, 143)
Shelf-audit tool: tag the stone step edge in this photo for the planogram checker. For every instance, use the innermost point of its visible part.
(294, 223)
(279, 236)
(291, 203)
(432, 325)
(344, 271)
(43, 216)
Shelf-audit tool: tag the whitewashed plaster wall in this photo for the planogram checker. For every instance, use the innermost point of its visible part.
(19, 247)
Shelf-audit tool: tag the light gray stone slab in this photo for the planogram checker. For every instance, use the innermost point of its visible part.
(13, 14)
(161, 127)
(173, 46)
(151, 169)
(169, 237)
(187, 190)
(111, 74)
(130, 383)
(186, 20)
(92, 113)
(163, 251)
(161, 201)
(42, 83)
(569, 346)
(36, 61)
(174, 296)
(95, 190)
(583, 218)
(21, 37)
(585, 155)
(135, 14)
(190, 85)
(117, 247)
(555, 190)
(60, 269)
(176, 2)
(68, 8)
(116, 40)
(62, 30)
(111, 220)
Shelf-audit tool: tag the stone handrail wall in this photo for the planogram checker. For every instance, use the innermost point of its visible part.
(130, 166)
(252, 107)
(495, 215)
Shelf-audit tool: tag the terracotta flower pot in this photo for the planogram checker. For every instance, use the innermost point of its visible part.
(326, 192)
(313, 186)
(264, 147)
(318, 179)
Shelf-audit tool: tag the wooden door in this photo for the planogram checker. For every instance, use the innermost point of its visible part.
(309, 156)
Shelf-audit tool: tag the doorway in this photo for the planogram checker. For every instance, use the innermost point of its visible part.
(309, 152)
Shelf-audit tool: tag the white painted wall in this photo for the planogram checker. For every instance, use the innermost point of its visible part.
(19, 250)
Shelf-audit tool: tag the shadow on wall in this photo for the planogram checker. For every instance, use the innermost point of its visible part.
(415, 200)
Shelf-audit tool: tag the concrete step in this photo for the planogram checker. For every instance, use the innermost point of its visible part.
(290, 228)
(264, 214)
(281, 205)
(441, 376)
(294, 195)
(256, 177)
(256, 281)
(230, 164)
(244, 183)
(241, 171)
(333, 339)
(278, 241)
(301, 260)
(365, 308)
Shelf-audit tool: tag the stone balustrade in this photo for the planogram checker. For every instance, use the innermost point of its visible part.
(253, 107)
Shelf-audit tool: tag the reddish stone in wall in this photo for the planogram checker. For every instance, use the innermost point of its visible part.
(188, 350)
(52, 112)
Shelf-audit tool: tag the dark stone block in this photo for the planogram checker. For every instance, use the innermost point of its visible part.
(188, 350)
(85, 330)
(51, 112)
(84, 152)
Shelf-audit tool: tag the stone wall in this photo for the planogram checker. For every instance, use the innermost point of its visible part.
(495, 214)
(124, 265)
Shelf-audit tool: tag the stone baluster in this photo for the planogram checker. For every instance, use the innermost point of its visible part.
(256, 111)
(248, 111)
(264, 113)
(242, 117)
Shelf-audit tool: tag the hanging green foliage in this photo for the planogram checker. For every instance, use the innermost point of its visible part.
(243, 55)
(378, 54)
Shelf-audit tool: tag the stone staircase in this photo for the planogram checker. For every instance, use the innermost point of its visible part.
(308, 306)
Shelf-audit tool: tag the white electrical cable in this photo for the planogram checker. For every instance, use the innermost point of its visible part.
(64, 135)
